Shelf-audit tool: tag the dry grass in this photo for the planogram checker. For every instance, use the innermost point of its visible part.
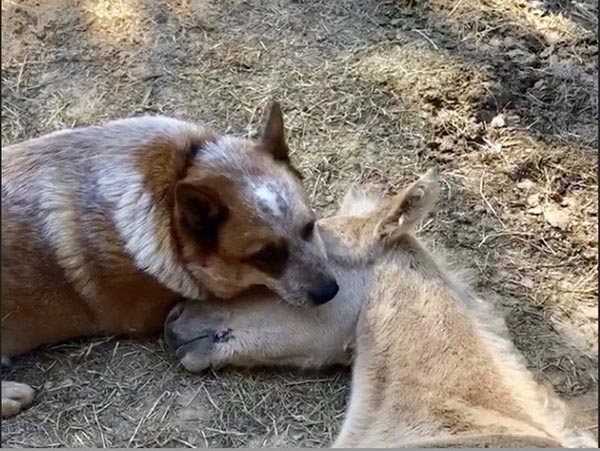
(502, 95)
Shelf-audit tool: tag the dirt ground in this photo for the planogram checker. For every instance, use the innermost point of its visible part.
(501, 95)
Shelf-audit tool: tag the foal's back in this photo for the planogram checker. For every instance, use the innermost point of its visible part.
(433, 367)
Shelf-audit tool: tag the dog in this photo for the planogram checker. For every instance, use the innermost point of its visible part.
(105, 228)
(432, 363)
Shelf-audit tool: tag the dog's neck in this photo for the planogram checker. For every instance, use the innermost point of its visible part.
(144, 215)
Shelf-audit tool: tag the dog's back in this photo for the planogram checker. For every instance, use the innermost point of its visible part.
(70, 201)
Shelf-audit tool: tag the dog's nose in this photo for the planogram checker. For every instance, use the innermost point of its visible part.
(324, 292)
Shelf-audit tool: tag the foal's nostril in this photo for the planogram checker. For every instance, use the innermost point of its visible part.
(324, 292)
(173, 339)
(175, 312)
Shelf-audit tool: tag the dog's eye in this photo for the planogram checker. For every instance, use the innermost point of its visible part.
(271, 259)
(265, 254)
(307, 230)
(270, 255)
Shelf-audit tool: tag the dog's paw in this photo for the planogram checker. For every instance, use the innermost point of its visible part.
(15, 397)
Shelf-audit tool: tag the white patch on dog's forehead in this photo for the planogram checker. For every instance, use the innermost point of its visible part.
(273, 192)
(271, 198)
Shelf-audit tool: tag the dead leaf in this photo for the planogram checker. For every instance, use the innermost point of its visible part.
(525, 184)
(551, 37)
(498, 122)
(527, 282)
(447, 144)
(533, 200)
(556, 217)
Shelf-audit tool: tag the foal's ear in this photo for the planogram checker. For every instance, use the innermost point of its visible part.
(409, 207)
(362, 201)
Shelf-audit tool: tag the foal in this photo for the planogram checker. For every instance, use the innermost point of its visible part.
(432, 365)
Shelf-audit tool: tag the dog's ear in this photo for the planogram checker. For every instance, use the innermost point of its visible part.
(273, 134)
(201, 212)
(409, 207)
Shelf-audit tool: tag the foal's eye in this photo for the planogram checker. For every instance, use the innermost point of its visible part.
(307, 230)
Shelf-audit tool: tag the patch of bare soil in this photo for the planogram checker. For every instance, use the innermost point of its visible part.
(502, 95)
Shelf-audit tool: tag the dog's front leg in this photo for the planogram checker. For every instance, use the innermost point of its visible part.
(15, 397)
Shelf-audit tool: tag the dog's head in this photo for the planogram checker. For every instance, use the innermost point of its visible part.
(244, 219)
